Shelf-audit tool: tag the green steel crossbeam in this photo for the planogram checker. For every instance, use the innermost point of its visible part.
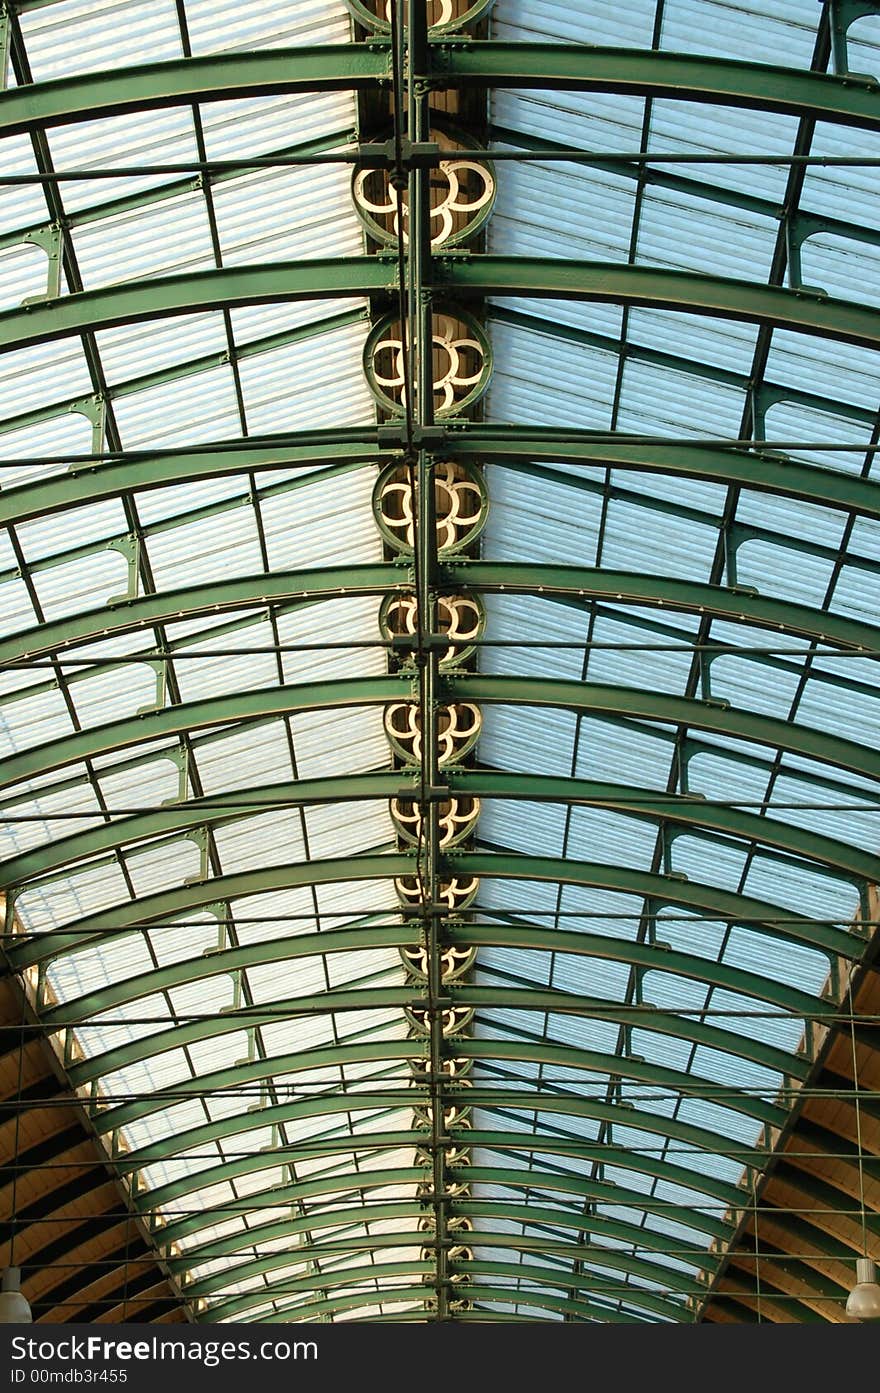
(90, 311)
(544, 1221)
(133, 915)
(394, 1177)
(226, 806)
(332, 1057)
(767, 471)
(643, 957)
(306, 1311)
(607, 1258)
(274, 1158)
(593, 697)
(497, 1102)
(570, 584)
(328, 1279)
(564, 67)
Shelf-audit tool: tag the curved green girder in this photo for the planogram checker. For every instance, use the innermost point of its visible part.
(594, 697)
(578, 1187)
(577, 585)
(764, 470)
(90, 311)
(534, 1214)
(327, 1280)
(464, 62)
(644, 957)
(222, 807)
(545, 1052)
(129, 917)
(198, 1137)
(533, 999)
(336, 1306)
(231, 1170)
(599, 1257)
(339, 1142)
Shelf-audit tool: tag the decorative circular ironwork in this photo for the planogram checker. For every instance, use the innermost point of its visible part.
(453, 1019)
(456, 1068)
(461, 506)
(457, 894)
(462, 362)
(453, 1189)
(454, 962)
(459, 617)
(455, 1223)
(456, 819)
(454, 1116)
(462, 195)
(459, 1253)
(375, 15)
(458, 728)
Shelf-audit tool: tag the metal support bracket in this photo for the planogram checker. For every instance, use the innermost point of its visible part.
(411, 154)
(842, 15)
(94, 409)
(130, 548)
(798, 227)
(49, 240)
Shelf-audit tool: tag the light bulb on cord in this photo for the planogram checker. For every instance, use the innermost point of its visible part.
(14, 1309)
(863, 1302)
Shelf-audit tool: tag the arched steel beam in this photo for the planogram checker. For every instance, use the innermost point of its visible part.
(626, 1067)
(645, 956)
(528, 1215)
(319, 1187)
(486, 998)
(90, 311)
(482, 1097)
(325, 1281)
(642, 956)
(578, 585)
(220, 807)
(565, 67)
(274, 1158)
(131, 916)
(595, 697)
(765, 470)
(609, 1258)
(580, 1310)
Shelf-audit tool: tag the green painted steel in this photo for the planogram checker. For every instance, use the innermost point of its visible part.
(316, 1187)
(325, 1280)
(605, 1258)
(340, 1141)
(90, 311)
(594, 697)
(220, 807)
(685, 77)
(565, 1306)
(666, 890)
(765, 470)
(567, 67)
(545, 1222)
(230, 1170)
(331, 1057)
(532, 999)
(571, 584)
(644, 957)
(219, 77)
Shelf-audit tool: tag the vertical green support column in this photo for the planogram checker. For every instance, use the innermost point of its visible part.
(422, 380)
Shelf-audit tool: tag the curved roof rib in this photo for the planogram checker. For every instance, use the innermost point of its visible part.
(439, 672)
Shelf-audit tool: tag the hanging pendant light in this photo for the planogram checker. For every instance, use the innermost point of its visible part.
(863, 1302)
(14, 1309)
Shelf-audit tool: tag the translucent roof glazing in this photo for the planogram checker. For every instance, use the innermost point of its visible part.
(675, 682)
